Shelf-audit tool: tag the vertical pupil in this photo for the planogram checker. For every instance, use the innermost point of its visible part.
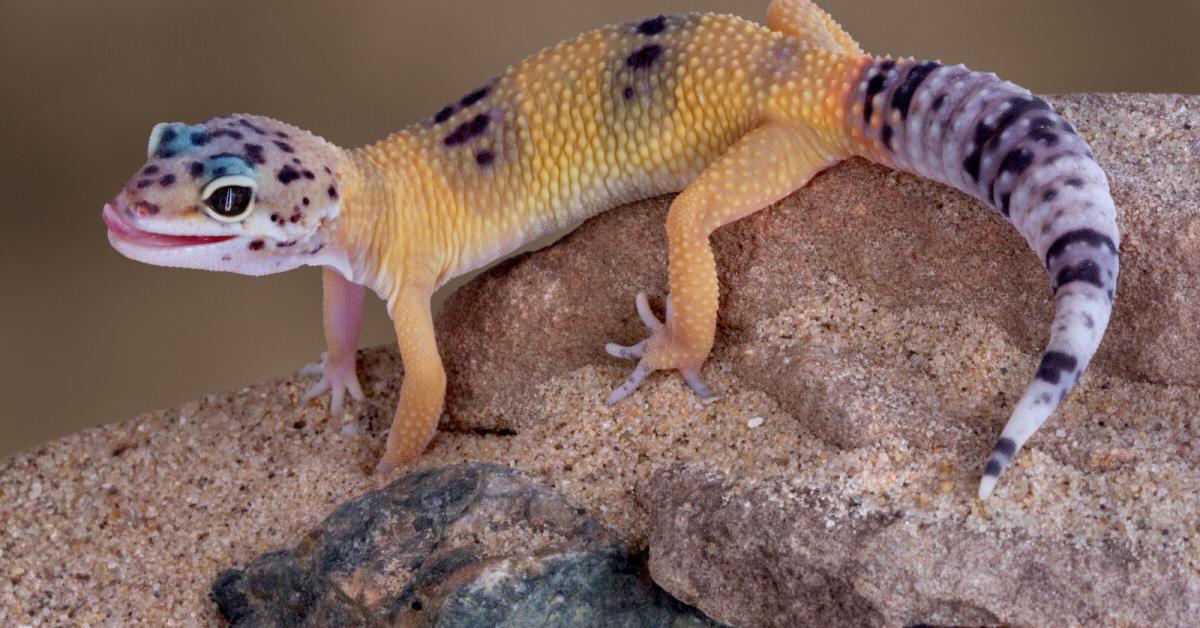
(227, 202)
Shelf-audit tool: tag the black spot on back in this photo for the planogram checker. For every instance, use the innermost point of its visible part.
(644, 57)
(474, 97)
(628, 93)
(443, 115)
(653, 26)
(468, 130)
(287, 174)
(1054, 364)
(284, 146)
(485, 158)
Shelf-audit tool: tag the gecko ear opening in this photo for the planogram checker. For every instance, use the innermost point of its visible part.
(156, 136)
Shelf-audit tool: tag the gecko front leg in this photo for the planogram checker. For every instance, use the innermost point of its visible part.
(424, 388)
(343, 307)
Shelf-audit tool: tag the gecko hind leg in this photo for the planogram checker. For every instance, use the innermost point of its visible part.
(761, 167)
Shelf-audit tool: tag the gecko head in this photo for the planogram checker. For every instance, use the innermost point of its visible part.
(240, 193)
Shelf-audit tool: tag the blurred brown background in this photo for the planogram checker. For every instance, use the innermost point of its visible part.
(89, 337)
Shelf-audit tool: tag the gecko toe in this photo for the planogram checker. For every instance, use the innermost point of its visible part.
(693, 381)
(635, 379)
(631, 352)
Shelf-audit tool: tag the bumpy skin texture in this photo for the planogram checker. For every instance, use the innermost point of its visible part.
(732, 114)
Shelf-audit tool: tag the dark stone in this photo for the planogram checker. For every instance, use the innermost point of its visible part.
(421, 552)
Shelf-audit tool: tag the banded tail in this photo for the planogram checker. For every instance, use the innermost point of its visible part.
(999, 143)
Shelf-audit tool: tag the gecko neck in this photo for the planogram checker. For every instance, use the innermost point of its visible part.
(380, 183)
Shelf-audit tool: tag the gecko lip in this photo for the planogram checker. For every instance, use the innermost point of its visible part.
(121, 229)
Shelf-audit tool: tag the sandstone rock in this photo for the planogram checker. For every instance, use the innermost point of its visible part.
(904, 241)
(464, 545)
(833, 561)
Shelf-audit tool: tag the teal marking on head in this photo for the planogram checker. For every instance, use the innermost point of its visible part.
(169, 139)
(228, 164)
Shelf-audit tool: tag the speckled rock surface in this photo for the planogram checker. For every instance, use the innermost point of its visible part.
(845, 402)
(461, 545)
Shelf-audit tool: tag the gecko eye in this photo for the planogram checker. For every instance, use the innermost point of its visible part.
(229, 199)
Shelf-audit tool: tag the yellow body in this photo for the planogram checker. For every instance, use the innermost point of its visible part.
(733, 114)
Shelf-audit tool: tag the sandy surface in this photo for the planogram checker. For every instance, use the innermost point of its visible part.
(132, 521)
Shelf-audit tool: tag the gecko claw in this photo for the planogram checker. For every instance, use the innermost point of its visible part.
(631, 352)
(693, 381)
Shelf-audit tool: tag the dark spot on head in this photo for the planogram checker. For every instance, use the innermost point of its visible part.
(144, 183)
(195, 169)
(474, 97)
(308, 174)
(284, 245)
(256, 245)
(149, 170)
(165, 154)
(653, 26)
(254, 152)
(628, 93)
(644, 57)
(304, 201)
(145, 208)
(200, 138)
(166, 180)
(1049, 195)
(283, 146)
(276, 218)
(332, 192)
(287, 174)
(226, 132)
(168, 136)
(295, 217)
(296, 160)
(443, 115)
(220, 171)
(485, 158)
(249, 125)
(1074, 182)
(327, 170)
(281, 134)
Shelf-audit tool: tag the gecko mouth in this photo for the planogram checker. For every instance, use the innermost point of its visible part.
(121, 229)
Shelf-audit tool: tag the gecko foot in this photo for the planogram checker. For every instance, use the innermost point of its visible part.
(651, 355)
(337, 377)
